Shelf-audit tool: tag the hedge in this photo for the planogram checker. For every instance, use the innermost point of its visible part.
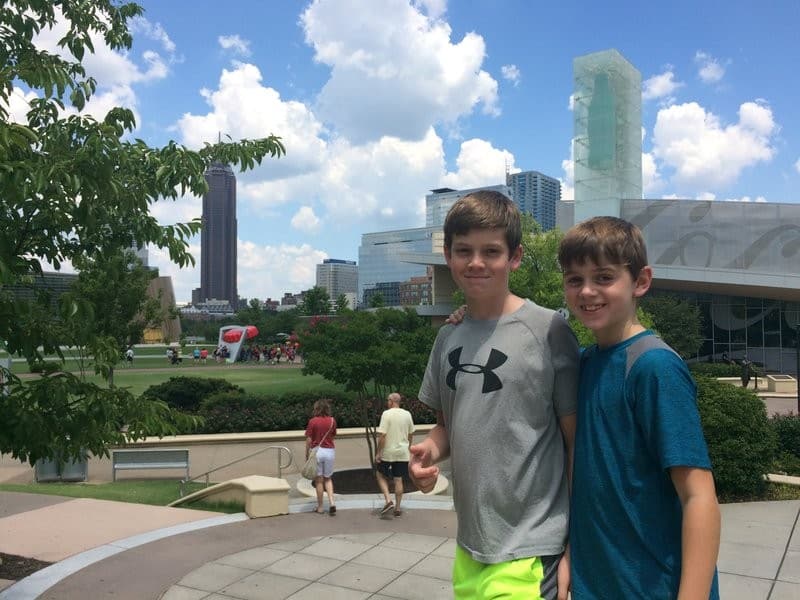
(741, 442)
(787, 431)
(187, 393)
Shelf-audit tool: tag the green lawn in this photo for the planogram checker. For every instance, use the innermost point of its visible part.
(254, 378)
(157, 492)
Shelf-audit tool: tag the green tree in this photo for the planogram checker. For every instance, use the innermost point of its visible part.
(111, 290)
(72, 186)
(342, 304)
(316, 301)
(372, 354)
(539, 275)
(677, 322)
(377, 300)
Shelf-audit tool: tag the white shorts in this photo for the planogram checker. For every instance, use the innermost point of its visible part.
(325, 458)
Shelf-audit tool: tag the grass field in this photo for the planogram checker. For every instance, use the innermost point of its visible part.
(255, 379)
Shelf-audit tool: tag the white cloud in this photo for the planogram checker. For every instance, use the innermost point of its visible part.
(661, 86)
(305, 220)
(568, 182)
(571, 102)
(235, 44)
(19, 105)
(703, 152)
(394, 72)
(797, 165)
(154, 31)
(435, 9)
(511, 73)
(709, 68)
(479, 163)
(242, 107)
(758, 199)
(264, 270)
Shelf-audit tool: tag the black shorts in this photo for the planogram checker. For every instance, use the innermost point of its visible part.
(393, 469)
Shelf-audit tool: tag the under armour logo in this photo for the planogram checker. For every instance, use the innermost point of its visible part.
(491, 382)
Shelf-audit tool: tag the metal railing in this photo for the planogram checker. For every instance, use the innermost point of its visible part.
(281, 466)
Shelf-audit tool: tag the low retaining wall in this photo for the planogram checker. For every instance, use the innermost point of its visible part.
(207, 452)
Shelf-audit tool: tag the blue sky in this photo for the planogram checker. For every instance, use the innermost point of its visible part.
(378, 101)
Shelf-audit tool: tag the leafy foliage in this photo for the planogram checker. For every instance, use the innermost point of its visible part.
(371, 354)
(342, 304)
(187, 393)
(316, 301)
(718, 369)
(787, 431)
(539, 275)
(231, 412)
(677, 322)
(740, 441)
(73, 186)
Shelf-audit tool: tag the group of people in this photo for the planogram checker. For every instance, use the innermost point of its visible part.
(395, 435)
(583, 471)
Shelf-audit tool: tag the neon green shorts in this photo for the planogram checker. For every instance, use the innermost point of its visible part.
(533, 578)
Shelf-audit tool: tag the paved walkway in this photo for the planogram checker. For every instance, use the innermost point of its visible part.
(130, 551)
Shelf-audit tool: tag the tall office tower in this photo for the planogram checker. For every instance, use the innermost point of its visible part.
(535, 194)
(439, 201)
(218, 237)
(608, 133)
(338, 277)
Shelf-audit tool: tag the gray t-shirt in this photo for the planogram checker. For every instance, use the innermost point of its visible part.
(502, 385)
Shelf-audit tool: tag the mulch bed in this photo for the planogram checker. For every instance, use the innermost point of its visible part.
(362, 481)
(16, 567)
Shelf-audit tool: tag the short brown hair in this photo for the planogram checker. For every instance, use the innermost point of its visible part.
(485, 209)
(604, 240)
(322, 408)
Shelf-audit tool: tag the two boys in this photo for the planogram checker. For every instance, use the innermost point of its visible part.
(644, 521)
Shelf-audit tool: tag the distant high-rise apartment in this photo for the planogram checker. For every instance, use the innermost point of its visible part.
(535, 194)
(608, 133)
(338, 277)
(218, 237)
(439, 201)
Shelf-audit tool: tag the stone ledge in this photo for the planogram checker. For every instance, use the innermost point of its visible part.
(786, 479)
(262, 496)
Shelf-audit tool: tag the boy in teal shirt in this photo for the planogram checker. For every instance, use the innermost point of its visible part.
(645, 523)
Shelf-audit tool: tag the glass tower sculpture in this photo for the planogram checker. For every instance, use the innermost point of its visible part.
(608, 133)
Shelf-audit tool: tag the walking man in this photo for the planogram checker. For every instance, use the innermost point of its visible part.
(396, 432)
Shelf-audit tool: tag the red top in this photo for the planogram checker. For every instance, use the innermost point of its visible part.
(317, 428)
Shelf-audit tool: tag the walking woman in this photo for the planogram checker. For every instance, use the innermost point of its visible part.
(320, 431)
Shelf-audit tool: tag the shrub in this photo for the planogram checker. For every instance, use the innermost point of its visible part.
(186, 393)
(719, 369)
(740, 441)
(787, 432)
(233, 412)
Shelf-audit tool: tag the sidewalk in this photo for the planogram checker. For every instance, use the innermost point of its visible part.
(129, 551)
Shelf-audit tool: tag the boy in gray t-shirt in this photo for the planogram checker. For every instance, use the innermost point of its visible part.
(503, 384)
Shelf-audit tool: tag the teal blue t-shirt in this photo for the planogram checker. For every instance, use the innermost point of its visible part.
(637, 417)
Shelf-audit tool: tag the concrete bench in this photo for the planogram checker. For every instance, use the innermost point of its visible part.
(149, 458)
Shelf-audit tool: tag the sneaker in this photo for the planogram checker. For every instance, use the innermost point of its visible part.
(332, 510)
(387, 508)
(397, 513)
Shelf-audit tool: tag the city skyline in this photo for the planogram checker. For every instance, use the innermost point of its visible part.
(378, 107)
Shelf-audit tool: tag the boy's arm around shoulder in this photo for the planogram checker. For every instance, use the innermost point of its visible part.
(700, 530)
(565, 359)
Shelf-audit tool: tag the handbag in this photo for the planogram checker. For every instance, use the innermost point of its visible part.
(309, 470)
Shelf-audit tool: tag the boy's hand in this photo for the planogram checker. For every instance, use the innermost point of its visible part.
(422, 472)
(563, 577)
(457, 315)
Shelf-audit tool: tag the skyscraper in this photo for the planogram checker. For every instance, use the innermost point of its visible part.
(439, 201)
(338, 277)
(535, 194)
(218, 237)
(608, 133)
